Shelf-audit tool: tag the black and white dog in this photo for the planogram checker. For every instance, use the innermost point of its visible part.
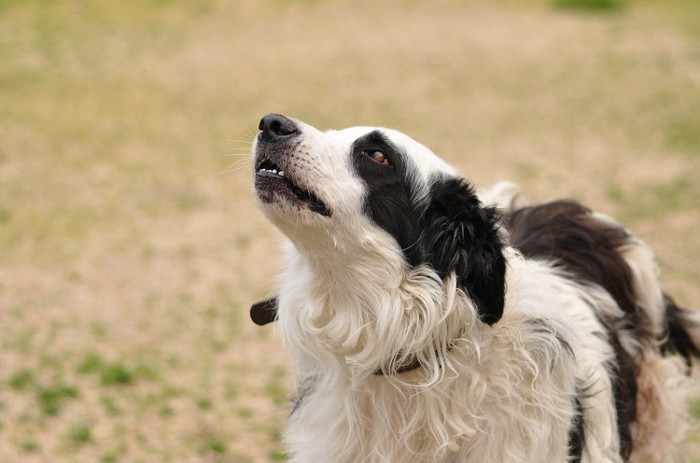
(427, 323)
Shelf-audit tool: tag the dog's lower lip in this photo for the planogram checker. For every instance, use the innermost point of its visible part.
(274, 178)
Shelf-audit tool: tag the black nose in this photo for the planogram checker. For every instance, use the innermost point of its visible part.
(275, 127)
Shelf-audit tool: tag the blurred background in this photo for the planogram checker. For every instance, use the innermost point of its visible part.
(130, 243)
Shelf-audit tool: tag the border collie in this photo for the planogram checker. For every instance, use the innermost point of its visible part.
(429, 323)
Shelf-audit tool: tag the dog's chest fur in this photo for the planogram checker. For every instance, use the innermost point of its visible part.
(512, 382)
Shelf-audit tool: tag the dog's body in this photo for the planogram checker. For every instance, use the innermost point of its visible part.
(426, 326)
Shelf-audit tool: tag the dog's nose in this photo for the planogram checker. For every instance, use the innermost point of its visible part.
(275, 127)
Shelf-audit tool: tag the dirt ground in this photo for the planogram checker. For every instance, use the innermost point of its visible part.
(130, 243)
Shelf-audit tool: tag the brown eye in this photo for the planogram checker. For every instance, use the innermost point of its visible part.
(377, 156)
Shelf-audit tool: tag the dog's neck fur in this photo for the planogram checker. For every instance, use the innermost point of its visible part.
(416, 315)
(327, 330)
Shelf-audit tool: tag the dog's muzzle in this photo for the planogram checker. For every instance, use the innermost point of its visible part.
(276, 178)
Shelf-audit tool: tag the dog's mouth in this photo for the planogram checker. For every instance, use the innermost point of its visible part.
(272, 181)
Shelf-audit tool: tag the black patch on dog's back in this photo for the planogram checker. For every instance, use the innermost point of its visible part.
(566, 233)
(678, 339)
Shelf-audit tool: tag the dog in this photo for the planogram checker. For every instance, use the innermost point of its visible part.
(427, 322)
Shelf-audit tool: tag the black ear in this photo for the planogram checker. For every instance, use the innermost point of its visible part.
(264, 312)
(461, 235)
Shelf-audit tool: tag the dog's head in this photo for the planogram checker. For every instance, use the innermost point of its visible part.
(333, 192)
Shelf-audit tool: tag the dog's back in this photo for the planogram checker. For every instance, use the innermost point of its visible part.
(597, 250)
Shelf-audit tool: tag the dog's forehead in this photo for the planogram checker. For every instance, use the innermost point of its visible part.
(420, 155)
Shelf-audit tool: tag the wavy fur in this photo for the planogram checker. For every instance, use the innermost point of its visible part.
(420, 333)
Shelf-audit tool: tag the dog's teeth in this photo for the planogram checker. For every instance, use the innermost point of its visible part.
(279, 173)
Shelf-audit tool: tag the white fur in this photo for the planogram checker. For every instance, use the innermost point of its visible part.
(350, 306)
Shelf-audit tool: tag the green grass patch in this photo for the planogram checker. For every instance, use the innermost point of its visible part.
(213, 445)
(111, 407)
(231, 390)
(275, 387)
(166, 411)
(30, 446)
(52, 399)
(115, 373)
(245, 412)
(146, 372)
(79, 434)
(92, 363)
(22, 380)
(115, 454)
(590, 5)
(683, 132)
(204, 403)
(695, 409)
(278, 455)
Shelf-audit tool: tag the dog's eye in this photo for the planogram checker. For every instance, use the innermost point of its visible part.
(377, 156)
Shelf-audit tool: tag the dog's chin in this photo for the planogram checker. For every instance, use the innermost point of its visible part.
(279, 194)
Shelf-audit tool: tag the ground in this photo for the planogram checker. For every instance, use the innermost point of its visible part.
(130, 242)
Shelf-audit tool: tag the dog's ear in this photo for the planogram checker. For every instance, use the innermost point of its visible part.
(264, 312)
(461, 235)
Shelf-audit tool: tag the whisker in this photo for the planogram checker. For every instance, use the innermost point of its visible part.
(248, 141)
(245, 160)
(238, 140)
(252, 136)
(245, 163)
(236, 154)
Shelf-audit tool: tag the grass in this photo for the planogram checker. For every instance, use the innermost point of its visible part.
(213, 445)
(130, 243)
(695, 409)
(22, 380)
(51, 399)
(79, 434)
(595, 5)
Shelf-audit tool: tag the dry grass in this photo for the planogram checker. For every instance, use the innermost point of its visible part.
(130, 245)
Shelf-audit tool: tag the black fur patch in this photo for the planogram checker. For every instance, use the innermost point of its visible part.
(678, 340)
(450, 230)
(458, 234)
(567, 234)
(264, 312)
(576, 433)
(625, 392)
(390, 201)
